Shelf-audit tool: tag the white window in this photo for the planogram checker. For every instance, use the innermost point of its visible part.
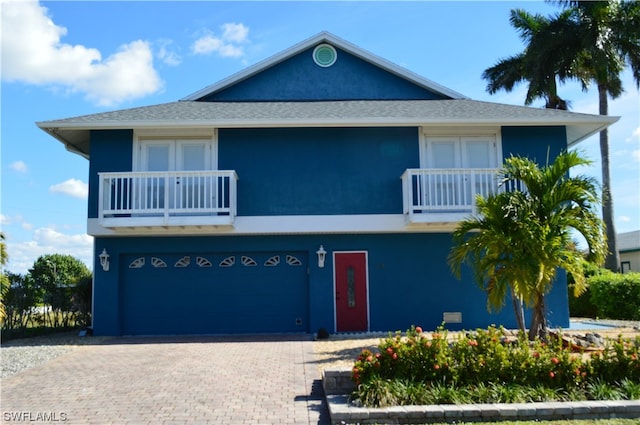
(175, 155)
(459, 152)
(458, 167)
(181, 187)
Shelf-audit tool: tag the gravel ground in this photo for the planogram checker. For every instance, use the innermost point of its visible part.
(20, 354)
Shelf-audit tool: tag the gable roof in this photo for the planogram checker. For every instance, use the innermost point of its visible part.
(326, 37)
(75, 132)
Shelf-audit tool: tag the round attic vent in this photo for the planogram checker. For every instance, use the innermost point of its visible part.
(324, 55)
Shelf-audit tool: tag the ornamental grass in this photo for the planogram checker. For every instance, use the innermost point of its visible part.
(491, 366)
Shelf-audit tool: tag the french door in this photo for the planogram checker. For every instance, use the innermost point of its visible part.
(176, 191)
(460, 156)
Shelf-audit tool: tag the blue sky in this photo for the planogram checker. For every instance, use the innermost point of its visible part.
(64, 59)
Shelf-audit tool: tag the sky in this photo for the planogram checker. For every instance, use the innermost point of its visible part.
(65, 59)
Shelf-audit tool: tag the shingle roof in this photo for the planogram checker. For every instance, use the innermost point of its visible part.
(74, 132)
(629, 241)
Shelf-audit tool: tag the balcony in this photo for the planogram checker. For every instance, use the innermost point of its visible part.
(182, 198)
(439, 196)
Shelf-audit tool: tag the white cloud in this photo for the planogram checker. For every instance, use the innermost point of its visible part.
(19, 166)
(72, 187)
(167, 54)
(6, 220)
(33, 53)
(44, 241)
(235, 33)
(207, 44)
(227, 45)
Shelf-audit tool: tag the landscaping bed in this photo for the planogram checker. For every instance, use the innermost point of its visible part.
(493, 374)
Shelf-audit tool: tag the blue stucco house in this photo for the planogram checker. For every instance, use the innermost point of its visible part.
(315, 189)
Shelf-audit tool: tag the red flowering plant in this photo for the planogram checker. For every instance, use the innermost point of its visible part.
(492, 356)
(416, 357)
(620, 360)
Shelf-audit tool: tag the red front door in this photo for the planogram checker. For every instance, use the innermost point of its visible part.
(350, 271)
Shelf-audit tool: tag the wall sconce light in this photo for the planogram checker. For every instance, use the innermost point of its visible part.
(104, 260)
(322, 254)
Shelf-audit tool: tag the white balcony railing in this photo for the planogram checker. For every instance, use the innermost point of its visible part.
(132, 199)
(444, 194)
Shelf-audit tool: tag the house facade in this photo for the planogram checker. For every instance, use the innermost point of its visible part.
(629, 248)
(316, 189)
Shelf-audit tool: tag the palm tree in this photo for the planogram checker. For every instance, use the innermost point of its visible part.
(610, 36)
(591, 41)
(521, 237)
(539, 64)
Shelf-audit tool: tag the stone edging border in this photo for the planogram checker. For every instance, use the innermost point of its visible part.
(342, 411)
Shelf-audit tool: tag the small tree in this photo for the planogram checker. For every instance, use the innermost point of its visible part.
(21, 299)
(55, 275)
(521, 237)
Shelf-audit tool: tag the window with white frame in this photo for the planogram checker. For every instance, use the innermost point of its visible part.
(177, 166)
(459, 151)
(456, 166)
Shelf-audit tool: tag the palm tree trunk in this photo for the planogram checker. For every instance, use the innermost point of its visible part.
(538, 326)
(612, 261)
(519, 311)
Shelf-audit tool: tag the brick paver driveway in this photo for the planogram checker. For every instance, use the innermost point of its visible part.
(190, 380)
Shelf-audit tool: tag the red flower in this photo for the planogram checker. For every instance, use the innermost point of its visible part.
(554, 360)
(473, 343)
(552, 375)
(536, 355)
(418, 329)
(395, 356)
(369, 358)
(436, 366)
(377, 355)
(390, 350)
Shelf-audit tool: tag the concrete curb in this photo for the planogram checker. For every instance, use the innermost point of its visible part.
(337, 384)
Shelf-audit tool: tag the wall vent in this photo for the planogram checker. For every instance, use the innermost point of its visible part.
(452, 317)
(325, 55)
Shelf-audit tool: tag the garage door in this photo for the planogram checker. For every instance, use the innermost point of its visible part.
(214, 293)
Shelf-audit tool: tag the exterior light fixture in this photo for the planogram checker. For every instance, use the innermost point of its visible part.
(322, 254)
(104, 260)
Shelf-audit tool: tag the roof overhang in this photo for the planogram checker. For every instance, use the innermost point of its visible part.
(74, 133)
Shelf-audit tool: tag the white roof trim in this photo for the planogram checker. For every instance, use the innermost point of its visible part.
(326, 37)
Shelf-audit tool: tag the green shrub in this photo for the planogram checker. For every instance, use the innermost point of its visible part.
(615, 295)
(486, 366)
(582, 306)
